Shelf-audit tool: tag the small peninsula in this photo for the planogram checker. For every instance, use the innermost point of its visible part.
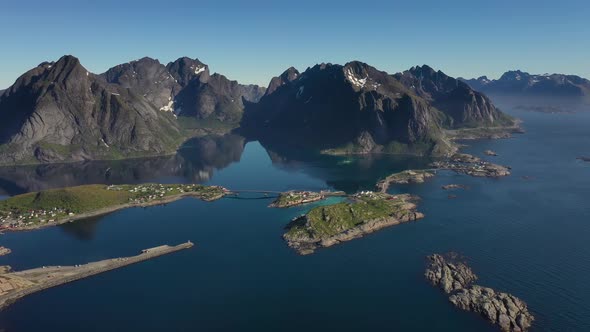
(367, 212)
(405, 177)
(470, 165)
(16, 285)
(57, 206)
(297, 197)
(455, 278)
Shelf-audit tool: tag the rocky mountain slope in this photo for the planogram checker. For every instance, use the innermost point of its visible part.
(463, 106)
(524, 84)
(356, 108)
(59, 111)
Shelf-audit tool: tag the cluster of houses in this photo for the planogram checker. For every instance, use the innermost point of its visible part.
(147, 192)
(373, 195)
(10, 219)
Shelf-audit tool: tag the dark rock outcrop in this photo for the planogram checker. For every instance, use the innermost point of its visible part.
(455, 278)
(286, 77)
(449, 273)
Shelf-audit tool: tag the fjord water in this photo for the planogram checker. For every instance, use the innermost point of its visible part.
(526, 234)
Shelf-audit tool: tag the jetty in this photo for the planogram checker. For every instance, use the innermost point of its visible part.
(16, 285)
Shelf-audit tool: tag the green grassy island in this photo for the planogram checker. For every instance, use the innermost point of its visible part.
(56, 206)
(366, 212)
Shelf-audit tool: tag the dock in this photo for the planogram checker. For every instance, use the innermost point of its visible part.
(16, 285)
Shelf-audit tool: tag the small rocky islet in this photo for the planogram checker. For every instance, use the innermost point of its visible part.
(454, 186)
(4, 251)
(451, 274)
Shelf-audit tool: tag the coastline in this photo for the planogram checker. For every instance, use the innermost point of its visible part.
(107, 210)
(310, 245)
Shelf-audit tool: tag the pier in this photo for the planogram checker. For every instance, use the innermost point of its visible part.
(15, 285)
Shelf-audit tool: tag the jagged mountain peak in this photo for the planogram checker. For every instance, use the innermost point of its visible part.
(185, 69)
(514, 75)
(424, 70)
(518, 82)
(288, 76)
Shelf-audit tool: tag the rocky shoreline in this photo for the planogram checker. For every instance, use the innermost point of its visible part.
(463, 163)
(455, 278)
(486, 132)
(405, 177)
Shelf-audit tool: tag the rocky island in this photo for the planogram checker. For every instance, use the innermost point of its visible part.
(467, 164)
(586, 159)
(4, 251)
(367, 212)
(454, 186)
(405, 177)
(15, 285)
(295, 197)
(455, 278)
(57, 206)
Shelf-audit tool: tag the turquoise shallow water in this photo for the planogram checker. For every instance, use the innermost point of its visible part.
(526, 234)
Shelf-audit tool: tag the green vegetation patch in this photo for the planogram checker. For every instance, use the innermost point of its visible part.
(329, 220)
(55, 204)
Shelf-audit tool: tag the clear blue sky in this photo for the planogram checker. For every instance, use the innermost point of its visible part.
(251, 41)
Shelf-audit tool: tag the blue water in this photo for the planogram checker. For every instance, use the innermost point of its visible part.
(526, 234)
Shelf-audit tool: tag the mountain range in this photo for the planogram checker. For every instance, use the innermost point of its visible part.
(61, 112)
(356, 108)
(519, 83)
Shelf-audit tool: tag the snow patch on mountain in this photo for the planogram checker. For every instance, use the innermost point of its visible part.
(359, 82)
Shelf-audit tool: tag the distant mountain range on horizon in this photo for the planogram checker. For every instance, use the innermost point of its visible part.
(519, 83)
(61, 112)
